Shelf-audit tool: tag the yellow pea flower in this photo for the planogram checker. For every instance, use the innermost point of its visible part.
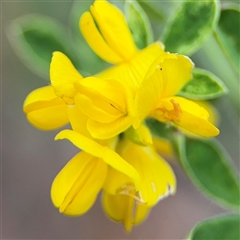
(107, 103)
(143, 83)
(164, 146)
(75, 188)
(77, 185)
(166, 76)
(103, 108)
(121, 200)
(47, 107)
(100, 151)
(107, 33)
(125, 209)
(45, 110)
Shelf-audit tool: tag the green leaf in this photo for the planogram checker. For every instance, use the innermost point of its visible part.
(190, 26)
(209, 168)
(223, 227)
(227, 34)
(139, 24)
(151, 9)
(34, 38)
(203, 86)
(158, 12)
(159, 129)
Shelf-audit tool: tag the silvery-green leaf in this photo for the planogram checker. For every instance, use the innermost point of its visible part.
(139, 24)
(209, 167)
(190, 26)
(203, 86)
(227, 34)
(224, 227)
(34, 39)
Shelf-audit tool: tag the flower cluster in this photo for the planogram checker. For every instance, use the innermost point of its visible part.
(106, 113)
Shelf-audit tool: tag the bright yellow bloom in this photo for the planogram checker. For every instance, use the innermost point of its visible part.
(75, 188)
(111, 40)
(164, 146)
(107, 103)
(104, 107)
(47, 107)
(45, 110)
(107, 113)
(120, 197)
(166, 76)
(100, 151)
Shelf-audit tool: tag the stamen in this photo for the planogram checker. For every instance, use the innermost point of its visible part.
(130, 191)
(176, 112)
(166, 115)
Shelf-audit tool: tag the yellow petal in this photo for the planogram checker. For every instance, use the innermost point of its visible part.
(142, 211)
(141, 135)
(103, 100)
(123, 208)
(212, 111)
(75, 188)
(95, 39)
(172, 70)
(163, 146)
(197, 125)
(189, 116)
(114, 29)
(113, 91)
(176, 73)
(63, 74)
(45, 110)
(108, 130)
(108, 104)
(87, 107)
(148, 95)
(132, 72)
(117, 182)
(78, 120)
(158, 179)
(97, 150)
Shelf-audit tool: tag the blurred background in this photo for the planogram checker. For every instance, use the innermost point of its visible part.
(31, 158)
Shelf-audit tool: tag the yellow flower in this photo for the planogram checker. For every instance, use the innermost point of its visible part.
(163, 145)
(107, 113)
(107, 103)
(121, 200)
(45, 110)
(47, 107)
(166, 76)
(95, 107)
(107, 33)
(75, 188)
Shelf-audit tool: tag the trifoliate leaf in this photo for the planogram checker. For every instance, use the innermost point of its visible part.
(190, 26)
(203, 86)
